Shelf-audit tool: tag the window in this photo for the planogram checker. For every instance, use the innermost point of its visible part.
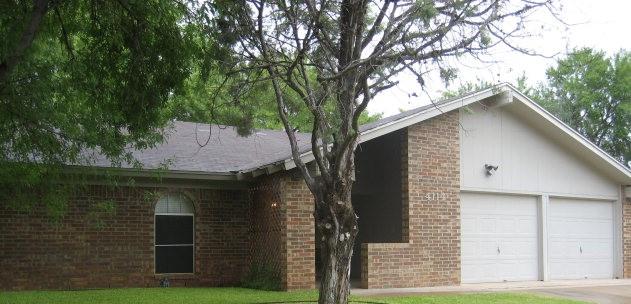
(174, 234)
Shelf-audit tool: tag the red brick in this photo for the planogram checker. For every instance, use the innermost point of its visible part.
(430, 254)
(74, 254)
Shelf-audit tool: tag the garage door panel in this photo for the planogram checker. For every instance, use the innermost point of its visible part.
(520, 271)
(478, 249)
(487, 225)
(567, 268)
(478, 271)
(499, 237)
(598, 269)
(522, 248)
(580, 209)
(561, 248)
(597, 249)
(581, 239)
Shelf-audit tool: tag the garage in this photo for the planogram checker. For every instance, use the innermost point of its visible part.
(580, 239)
(499, 238)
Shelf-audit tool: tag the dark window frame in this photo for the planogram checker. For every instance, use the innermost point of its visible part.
(155, 245)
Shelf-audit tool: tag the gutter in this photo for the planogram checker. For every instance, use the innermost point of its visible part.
(153, 173)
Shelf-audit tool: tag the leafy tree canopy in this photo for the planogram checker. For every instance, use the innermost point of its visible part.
(85, 74)
(107, 76)
(521, 83)
(215, 100)
(591, 92)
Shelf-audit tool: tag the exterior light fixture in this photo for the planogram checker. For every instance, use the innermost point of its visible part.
(490, 169)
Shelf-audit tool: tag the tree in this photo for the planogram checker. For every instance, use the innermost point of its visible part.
(521, 83)
(212, 101)
(84, 75)
(592, 93)
(341, 54)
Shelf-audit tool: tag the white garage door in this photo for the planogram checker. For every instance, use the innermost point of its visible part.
(499, 238)
(580, 239)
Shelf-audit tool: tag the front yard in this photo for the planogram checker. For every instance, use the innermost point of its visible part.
(245, 296)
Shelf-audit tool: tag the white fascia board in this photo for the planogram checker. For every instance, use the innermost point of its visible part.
(569, 131)
(413, 119)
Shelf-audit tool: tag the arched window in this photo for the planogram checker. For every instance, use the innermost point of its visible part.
(174, 234)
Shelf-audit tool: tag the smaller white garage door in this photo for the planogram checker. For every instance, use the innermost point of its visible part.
(499, 238)
(580, 239)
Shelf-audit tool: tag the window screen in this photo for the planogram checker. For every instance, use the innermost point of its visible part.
(174, 235)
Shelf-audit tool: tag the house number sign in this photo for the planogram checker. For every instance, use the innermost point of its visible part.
(435, 196)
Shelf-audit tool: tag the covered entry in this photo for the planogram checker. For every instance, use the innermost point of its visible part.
(499, 238)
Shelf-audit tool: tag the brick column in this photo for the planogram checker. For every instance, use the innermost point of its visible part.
(430, 252)
(283, 231)
(300, 234)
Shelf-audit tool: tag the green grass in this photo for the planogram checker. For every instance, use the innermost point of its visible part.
(244, 296)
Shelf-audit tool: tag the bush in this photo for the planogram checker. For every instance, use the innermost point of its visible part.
(262, 277)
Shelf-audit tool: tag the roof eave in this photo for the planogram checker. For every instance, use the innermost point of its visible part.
(620, 172)
(154, 173)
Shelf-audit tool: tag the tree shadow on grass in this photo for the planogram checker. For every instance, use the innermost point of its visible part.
(305, 302)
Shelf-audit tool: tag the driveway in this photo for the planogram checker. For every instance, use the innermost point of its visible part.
(595, 291)
(620, 294)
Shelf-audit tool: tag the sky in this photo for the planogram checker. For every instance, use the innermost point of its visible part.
(599, 24)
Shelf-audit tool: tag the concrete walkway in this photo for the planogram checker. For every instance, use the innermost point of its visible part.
(613, 294)
(538, 286)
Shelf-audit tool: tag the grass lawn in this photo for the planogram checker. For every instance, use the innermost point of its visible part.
(244, 296)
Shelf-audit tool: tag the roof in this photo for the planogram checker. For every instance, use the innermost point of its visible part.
(404, 114)
(267, 151)
(196, 147)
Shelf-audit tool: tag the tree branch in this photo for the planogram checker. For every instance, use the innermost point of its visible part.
(40, 7)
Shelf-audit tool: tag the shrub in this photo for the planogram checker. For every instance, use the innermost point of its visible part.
(262, 277)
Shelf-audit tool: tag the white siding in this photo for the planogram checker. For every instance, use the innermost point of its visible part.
(528, 160)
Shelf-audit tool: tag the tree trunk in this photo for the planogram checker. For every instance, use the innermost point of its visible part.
(337, 232)
(40, 7)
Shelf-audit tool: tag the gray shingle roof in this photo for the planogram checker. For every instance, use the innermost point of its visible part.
(226, 151)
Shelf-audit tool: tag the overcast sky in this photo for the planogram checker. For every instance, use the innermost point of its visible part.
(600, 24)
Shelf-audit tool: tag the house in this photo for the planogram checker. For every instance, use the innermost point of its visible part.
(485, 187)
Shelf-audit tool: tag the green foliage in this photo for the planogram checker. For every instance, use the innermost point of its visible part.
(592, 93)
(24, 186)
(465, 88)
(96, 77)
(220, 99)
(521, 83)
(191, 295)
(262, 277)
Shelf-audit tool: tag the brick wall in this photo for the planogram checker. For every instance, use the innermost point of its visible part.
(283, 238)
(267, 249)
(76, 253)
(430, 254)
(626, 235)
